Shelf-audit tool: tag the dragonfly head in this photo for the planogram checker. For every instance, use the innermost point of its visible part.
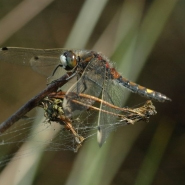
(68, 60)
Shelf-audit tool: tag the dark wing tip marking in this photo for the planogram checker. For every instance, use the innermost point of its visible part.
(4, 48)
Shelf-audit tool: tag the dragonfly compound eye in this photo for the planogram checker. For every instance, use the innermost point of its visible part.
(68, 60)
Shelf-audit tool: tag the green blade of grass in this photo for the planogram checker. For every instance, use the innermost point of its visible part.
(90, 170)
(155, 152)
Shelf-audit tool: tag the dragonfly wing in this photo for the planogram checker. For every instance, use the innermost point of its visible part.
(112, 93)
(44, 65)
(42, 61)
(90, 83)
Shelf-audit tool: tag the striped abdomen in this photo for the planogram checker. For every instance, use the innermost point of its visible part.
(143, 91)
(135, 88)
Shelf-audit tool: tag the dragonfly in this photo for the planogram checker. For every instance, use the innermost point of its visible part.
(92, 74)
(54, 111)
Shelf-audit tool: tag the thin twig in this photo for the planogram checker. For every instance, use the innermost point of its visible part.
(32, 103)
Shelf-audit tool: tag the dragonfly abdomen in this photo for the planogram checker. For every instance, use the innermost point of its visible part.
(143, 91)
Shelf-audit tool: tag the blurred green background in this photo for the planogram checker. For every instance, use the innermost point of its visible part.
(146, 40)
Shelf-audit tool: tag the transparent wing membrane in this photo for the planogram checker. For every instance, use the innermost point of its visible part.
(90, 82)
(42, 61)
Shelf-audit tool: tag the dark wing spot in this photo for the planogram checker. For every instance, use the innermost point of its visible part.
(4, 48)
(36, 57)
(99, 128)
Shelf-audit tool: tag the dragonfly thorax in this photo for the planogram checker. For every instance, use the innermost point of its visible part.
(68, 60)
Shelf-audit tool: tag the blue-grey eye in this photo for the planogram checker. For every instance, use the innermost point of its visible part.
(68, 60)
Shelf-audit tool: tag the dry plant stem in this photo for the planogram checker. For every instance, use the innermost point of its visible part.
(98, 109)
(33, 102)
(61, 95)
(68, 125)
(140, 113)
